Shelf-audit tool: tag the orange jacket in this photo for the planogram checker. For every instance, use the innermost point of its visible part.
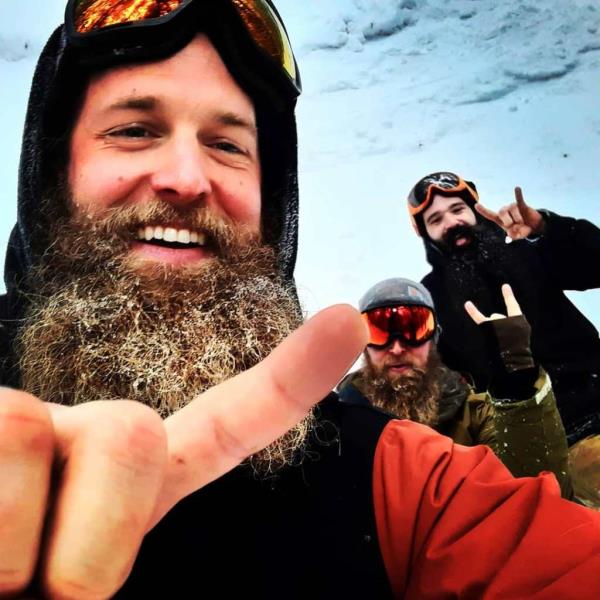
(453, 523)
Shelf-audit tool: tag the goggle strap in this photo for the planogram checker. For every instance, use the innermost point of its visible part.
(461, 187)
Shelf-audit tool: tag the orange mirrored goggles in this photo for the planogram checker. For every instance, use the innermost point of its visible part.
(411, 324)
(445, 183)
(88, 20)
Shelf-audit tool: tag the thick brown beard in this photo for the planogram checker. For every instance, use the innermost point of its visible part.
(102, 326)
(414, 395)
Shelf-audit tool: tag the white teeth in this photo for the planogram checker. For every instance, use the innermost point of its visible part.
(170, 234)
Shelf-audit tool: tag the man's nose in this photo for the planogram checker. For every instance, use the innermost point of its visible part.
(182, 175)
(396, 347)
(450, 221)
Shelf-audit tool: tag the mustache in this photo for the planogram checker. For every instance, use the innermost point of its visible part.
(121, 224)
(466, 231)
(410, 365)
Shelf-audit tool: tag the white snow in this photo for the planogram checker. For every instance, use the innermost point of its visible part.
(505, 93)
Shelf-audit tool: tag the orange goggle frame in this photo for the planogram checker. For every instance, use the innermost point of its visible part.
(89, 19)
(419, 200)
(411, 324)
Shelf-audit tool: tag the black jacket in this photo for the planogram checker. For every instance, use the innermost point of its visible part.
(308, 533)
(563, 340)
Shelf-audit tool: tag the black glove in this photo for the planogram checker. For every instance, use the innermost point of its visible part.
(513, 370)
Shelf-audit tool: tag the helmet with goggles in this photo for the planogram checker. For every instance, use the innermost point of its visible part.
(401, 309)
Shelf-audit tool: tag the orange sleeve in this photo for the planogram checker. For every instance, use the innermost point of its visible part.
(453, 523)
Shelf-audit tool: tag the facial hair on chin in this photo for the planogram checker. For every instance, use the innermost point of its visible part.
(448, 241)
(103, 326)
(411, 395)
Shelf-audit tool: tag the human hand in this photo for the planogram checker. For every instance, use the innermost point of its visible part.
(517, 219)
(508, 338)
(512, 308)
(96, 477)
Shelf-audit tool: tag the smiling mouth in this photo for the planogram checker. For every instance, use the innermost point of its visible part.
(172, 244)
(462, 241)
(172, 237)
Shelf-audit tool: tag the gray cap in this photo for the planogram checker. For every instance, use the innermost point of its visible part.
(395, 291)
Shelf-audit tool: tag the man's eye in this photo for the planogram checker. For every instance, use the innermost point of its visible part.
(133, 131)
(228, 147)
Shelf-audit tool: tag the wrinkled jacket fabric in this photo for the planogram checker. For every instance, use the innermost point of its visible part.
(564, 342)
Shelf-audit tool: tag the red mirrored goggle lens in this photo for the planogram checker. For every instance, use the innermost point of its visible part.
(260, 20)
(414, 325)
(92, 15)
(268, 32)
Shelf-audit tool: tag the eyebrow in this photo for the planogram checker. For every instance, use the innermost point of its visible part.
(145, 103)
(432, 216)
(457, 203)
(150, 103)
(235, 120)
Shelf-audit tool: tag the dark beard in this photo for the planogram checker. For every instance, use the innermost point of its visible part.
(448, 241)
(414, 395)
(101, 325)
(476, 272)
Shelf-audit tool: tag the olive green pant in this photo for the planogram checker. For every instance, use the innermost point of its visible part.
(584, 463)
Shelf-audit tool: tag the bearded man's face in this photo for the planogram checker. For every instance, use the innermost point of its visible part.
(449, 222)
(180, 130)
(155, 285)
(403, 380)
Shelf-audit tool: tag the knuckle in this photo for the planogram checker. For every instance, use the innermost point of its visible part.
(133, 433)
(13, 581)
(25, 424)
(65, 587)
(229, 443)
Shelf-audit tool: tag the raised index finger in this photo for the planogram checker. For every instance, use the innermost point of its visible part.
(475, 313)
(231, 421)
(490, 215)
(512, 306)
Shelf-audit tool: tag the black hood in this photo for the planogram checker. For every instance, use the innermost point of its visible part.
(56, 89)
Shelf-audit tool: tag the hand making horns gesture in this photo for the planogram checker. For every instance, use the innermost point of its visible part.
(80, 486)
(512, 308)
(518, 219)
